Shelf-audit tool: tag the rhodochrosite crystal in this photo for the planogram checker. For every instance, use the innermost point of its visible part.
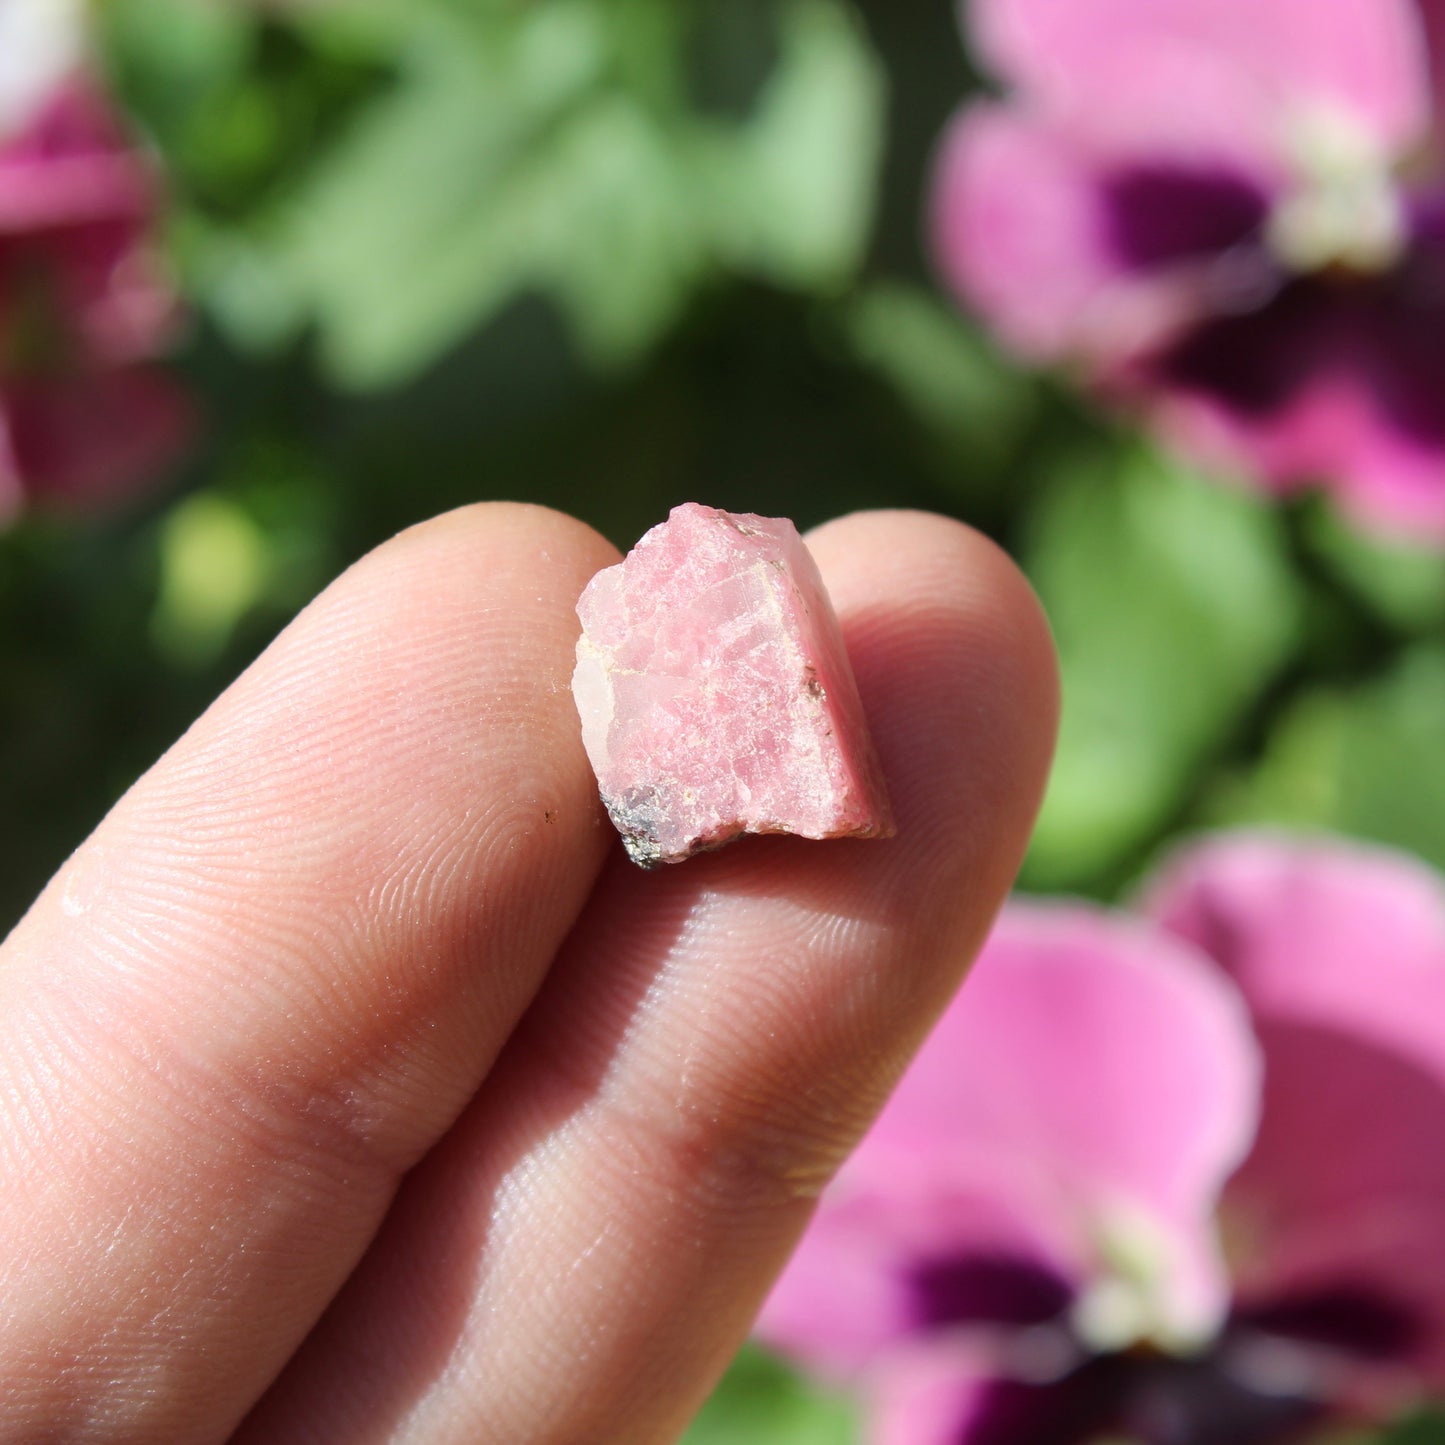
(715, 693)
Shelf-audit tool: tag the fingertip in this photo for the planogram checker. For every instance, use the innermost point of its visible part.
(920, 564)
(543, 557)
(959, 675)
(529, 524)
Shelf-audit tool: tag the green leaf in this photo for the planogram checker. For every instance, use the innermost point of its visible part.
(1426, 1428)
(761, 1402)
(957, 387)
(1173, 608)
(214, 568)
(189, 46)
(552, 148)
(424, 215)
(1365, 760)
(790, 197)
(1402, 582)
(236, 102)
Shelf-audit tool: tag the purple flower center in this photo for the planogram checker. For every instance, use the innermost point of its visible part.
(1350, 1318)
(1157, 216)
(1150, 1398)
(1265, 1381)
(1276, 331)
(1382, 332)
(987, 1289)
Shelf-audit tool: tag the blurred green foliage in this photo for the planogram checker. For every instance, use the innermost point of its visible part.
(1361, 759)
(763, 1403)
(614, 254)
(1424, 1429)
(1174, 607)
(584, 150)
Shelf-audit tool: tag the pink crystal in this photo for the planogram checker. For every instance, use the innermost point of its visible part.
(715, 693)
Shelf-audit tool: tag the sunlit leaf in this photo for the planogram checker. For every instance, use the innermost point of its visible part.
(790, 194)
(552, 148)
(761, 1402)
(948, 376)
(214, 568)
(1427, 1428)
(1173, 607)
(1366, 760)
(1402, 581)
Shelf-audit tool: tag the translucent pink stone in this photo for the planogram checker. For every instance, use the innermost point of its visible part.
(715, 693)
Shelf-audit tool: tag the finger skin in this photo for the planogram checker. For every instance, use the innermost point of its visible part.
(277, 972)
(580, 1257)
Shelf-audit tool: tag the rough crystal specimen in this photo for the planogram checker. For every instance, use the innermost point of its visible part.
(715, 693)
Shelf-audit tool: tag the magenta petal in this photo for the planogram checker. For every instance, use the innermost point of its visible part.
(89, 438)
(1333, 432)
(45, 192)
(1055, 991)
(848, 1297)
(83, 305)
(951, 1392)
(1433, 12)
(1021, 230)
(1091, 1074)
(77, 205)
(1338, 1217)
(1327, 382)
(948, 1393)
(930, 1396)
(73, 164)
(1340, 950)
(12, 483)
(1015, 231)
(1365, 56)
(1319, 931)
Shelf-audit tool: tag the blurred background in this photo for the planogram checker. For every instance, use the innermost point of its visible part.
(611, 255)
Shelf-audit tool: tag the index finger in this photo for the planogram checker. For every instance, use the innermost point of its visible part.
(278, 970)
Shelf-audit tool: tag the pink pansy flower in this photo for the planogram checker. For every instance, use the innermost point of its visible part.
(1231, 212)
(1175, 1178)
(84, 414)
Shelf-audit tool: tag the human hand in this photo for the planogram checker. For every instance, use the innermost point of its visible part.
(353, 1087)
